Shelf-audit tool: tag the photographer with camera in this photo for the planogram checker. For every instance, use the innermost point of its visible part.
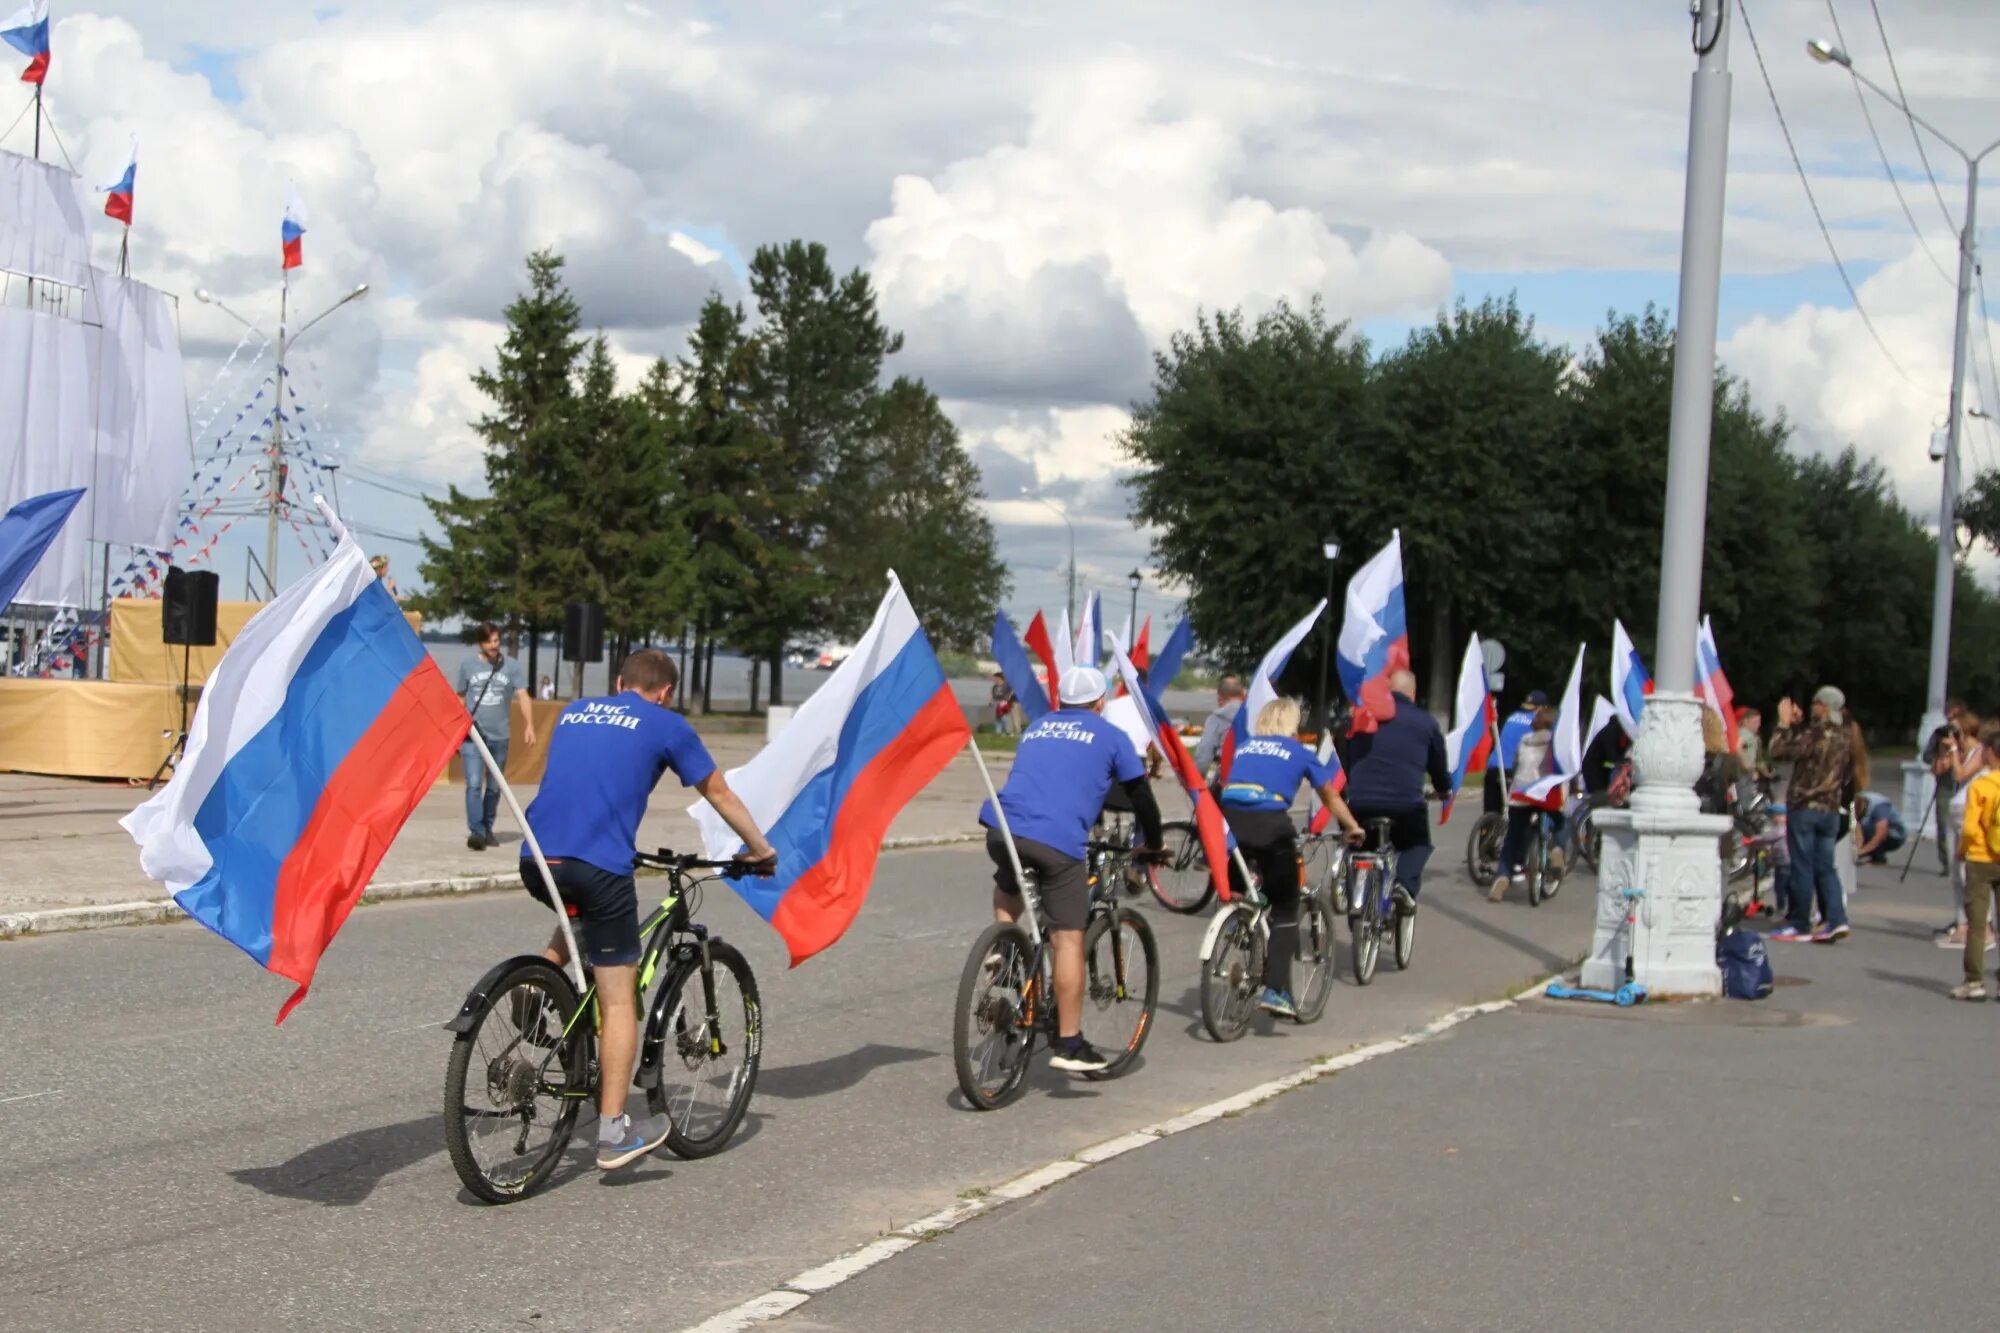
(1956, 757)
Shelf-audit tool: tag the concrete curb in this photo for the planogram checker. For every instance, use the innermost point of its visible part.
(158, 911)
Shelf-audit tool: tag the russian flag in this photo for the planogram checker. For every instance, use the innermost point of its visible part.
(1470, 741)
(1714, 686)
(1089, 647)
(1218, 844)
(1568, 747)
(1330, 758)
(825, 791)
(1374, 635)
(118, 194)
(26, 532)
(294, 228)
(1018, 670)
(27, 31)
(318, 733)
(1037, 639)
(1264, 685)
(1630, 682)
(1063, 646)
(1601, 716)
(1167, 662)
(1142, 656)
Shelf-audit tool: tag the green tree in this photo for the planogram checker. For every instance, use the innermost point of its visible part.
(909, 473)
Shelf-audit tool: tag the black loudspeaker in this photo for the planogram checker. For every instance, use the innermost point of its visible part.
(187, 608)
(583, 632)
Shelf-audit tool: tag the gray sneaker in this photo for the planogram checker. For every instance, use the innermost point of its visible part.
(624, 1139)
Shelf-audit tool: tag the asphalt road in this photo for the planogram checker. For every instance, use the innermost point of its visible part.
(1820, 1160)
(168, 1158)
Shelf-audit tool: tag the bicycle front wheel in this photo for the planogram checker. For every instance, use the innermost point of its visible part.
(707, 1038)
(1121, 985)
(1231, 975)
(514, 1083)
(993, 1026)
(1536, 865)
(1312, 967)
(1182, 882)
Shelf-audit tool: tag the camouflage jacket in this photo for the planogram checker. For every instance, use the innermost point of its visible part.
(1821, 761)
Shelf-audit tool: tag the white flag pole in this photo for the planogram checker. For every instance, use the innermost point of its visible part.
(1007, 836)
(535, 850)
(1496, 759)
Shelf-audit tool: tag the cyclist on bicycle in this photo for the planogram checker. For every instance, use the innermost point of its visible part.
(1257, 802)
(1385, 780)
(605, 757)
(1063, 767)
(1533, 760)
(1516, 725)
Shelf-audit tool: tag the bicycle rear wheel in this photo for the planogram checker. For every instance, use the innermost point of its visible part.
(707, 1038)
(1231, 975)
(1535, 865)
(514, 1083)
(1406, 939)
(993, 1026)
(1182, 882)
(1121, 985)
(1312, 967)
(1482, 848)
(1364, 921)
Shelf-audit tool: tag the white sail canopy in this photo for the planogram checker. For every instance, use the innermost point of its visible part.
(99, 402)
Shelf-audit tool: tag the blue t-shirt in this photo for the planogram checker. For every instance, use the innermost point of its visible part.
(1062, 771)
(1517, 725)
(1267, 773)
(605, 757)
(1876, 808)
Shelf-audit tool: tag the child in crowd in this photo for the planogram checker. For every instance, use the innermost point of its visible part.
(1979, 848)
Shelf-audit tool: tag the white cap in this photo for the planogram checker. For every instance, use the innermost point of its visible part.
(1082, 685)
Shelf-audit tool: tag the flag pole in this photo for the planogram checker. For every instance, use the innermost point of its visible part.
(1006, 835)
(575, 970)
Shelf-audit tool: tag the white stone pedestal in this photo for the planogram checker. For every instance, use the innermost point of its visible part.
(1664, 845)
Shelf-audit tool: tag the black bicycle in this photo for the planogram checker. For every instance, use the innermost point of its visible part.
(1180, 880)
(1482, 847)
(525, 1059)
(1372, 911)
(1542, 864)
(1236, 950)
(1006, 996)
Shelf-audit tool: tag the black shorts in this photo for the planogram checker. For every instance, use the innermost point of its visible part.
(1064, 880)
(604, 904)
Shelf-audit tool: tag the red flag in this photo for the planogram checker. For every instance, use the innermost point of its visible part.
(1217, 843)
(1037, 639)
(1142, 655)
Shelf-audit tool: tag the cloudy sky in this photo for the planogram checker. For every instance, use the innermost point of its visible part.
(1042, 191)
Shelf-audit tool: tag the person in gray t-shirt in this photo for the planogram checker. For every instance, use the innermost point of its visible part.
(1229, 693)
(488, 685)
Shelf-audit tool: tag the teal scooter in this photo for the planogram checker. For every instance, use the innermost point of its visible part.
(1630, 993)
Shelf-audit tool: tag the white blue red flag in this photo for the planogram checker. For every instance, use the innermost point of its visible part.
(1089, 648)
(1329, 758)
(1064, 646)
(118, 194)
(1374, 636)
(1630, 682)
(1167, 662)
(826, 790)
(27, 31)
(1708, 678)
(318, 733)
(26, 531)
(1601, 716)
(1567, 751)
(293, 231)
(1029, 695)
(1264, 685)
(1218, 844)
(1470, 741)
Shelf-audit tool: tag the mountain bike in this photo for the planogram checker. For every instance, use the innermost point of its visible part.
(524, 1061)
(1181, 881)
(1006, 995)
(1482, 847)
(1237, 946)
(1371, 904)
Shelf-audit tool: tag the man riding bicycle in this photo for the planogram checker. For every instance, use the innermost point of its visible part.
(605, 757)
(1063, 768)
(1385, 780)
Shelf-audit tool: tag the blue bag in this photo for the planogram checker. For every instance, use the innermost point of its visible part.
(1746, 968)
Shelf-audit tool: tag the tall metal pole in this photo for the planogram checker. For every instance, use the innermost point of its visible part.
(1694, 356)
(275, 496)
(1320, 717)
(1132, 620)
(1947, 549)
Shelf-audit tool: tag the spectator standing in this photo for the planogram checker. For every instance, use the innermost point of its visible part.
(488, 685)
(380, 564)
(546, 690)
(1750, 743)
(1821, 752)
(1229, 694)
(1979, 843)
(1003, 704)
(1965, 759)
(1935, 753)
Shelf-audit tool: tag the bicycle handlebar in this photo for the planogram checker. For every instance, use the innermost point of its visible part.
(733, 868)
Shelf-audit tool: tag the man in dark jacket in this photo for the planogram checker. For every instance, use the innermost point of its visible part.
(1386, 769)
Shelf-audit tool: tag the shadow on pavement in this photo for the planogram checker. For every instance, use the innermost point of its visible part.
(1935, 985)
(836, 1073)
(1552, 962)
(346, 1171)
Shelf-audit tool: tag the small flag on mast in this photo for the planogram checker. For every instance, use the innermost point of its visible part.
(27, 31)
(118, 194)
(294, 229)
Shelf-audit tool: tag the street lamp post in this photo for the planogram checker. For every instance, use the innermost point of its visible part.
(274, 496)
(1070, 603)
(1826, 53)
(1135, 578)
(1663, 848)
(1331, 550)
